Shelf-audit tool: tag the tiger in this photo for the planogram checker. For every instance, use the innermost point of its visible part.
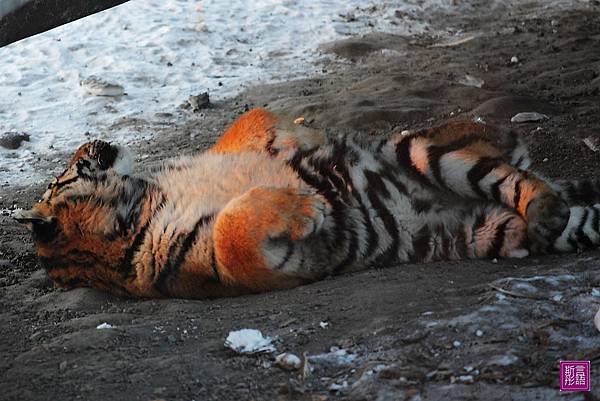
(274, 204)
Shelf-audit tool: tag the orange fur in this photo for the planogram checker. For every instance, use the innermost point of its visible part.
(213, 239)
(251, 225)
(253, 131)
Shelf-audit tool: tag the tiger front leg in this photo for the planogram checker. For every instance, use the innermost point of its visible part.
(259, 236)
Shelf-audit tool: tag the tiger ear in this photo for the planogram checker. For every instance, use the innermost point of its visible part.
(33, 219)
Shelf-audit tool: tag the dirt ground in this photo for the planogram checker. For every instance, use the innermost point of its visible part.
(490, 330)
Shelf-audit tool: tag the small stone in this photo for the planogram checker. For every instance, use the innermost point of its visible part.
(479, 333)
(171, 338)
(528, 117)
(104, 326)
(456, 344)
(299, 121)
(514, 60)
(288, 361)
(197, 102)
(63, 366)
(597, 320)
(13, 140)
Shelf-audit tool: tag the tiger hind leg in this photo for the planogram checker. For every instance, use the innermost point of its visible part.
(259, 237)
(261, 130)
(471, 233)
(582, 231)
(461, 157)
(584, 192)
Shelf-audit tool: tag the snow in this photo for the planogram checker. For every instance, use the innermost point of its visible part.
(104, 326)
(160, 52)
(335, 356)
(249, 341)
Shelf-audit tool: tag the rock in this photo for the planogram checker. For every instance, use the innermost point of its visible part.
(99, 87)
(597, 319)
(197, 102)
(288, 361)
(13, 140)
(514, 60)
(528, 117)
(507, 106)
(63, 366)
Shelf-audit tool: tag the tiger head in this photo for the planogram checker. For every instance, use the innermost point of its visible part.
(79, 225)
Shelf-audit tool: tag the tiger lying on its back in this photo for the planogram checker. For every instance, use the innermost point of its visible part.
(273, 206)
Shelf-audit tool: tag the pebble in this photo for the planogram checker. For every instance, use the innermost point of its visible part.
(514, 60)
(63, 366)
(103, 326)
(197, 102)
(528, 117)
(479, 333)
(456, 344)
(288, 361)
(13, 140)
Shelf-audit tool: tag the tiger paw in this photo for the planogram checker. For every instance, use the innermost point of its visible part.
(547, 218)
(290, 213)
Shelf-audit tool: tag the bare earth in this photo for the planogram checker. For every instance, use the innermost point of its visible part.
(445, 331)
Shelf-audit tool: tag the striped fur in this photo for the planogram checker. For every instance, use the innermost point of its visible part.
(274, 205)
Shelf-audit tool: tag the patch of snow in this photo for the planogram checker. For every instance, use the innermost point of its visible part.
(503, 360)
(338, 387)
(153, 54)
(335, 356)
(104, 326)
(249, 341)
